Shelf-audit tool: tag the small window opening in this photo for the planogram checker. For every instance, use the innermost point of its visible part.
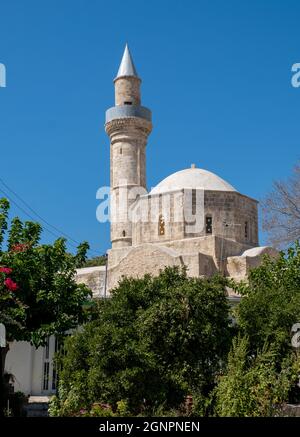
(124, 234)
(193, 201)
(121, 151)
(161, 225)
(208, 225)
(127, 103)
(246, 230)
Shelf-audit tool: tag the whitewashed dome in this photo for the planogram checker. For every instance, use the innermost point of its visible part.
(192, 178)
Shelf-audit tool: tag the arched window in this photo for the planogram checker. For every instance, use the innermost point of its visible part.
(161, 225)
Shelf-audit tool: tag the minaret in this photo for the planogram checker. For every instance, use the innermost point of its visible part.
(128, 125)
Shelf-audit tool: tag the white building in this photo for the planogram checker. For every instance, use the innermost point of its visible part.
(33, 369)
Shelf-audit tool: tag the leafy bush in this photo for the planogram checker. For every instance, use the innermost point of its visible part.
(271, 302)
(96, 261)
(255, 385)
(156, 340)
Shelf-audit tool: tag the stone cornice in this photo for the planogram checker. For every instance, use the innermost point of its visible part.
(124, 125)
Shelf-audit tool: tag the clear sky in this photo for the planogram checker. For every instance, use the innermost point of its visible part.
(216, 75)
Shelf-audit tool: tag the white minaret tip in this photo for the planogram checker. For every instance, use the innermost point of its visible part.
(193, 165)
(127, 67)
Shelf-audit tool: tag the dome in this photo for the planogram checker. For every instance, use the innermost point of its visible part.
(192, 178)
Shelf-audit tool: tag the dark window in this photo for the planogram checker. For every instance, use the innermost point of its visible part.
(246, 230)
(208, 225)
(121, 151)
(54, 378)
(127, 103)
(46, 376)
(124, 234)
(161, 225)
(47, 349)
(193, 202)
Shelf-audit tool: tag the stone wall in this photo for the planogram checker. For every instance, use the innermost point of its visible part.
(127, 89)
(94, 278)
(238, 267)
(147, 258)
(230, 211)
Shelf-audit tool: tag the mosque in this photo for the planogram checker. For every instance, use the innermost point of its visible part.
(192, 218)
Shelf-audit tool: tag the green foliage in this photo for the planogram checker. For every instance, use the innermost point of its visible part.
(271, 302)
(68, 408)
(255, 385)
(4, 208)
(54, 407)
(43, 297)
(262, 368)
(96, 261)
(99, 411)
(156, 340)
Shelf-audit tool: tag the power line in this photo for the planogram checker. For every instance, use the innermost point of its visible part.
(40, 217)
(23, 210)
(37, 214)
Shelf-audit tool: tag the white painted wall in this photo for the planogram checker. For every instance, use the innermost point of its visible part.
(26, 363)
(19, 363)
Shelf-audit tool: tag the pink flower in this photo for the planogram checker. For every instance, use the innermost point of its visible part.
(19, 247)
(10, 284)
(6, 270)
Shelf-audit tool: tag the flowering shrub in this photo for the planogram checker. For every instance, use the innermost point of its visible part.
(12, 311)
(39, 295)
(19, 247)
(6, 270)
(10, 284)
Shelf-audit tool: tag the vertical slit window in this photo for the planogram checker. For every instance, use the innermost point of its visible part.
(46, 376)
(193, 202)
(208, 225)
(246, 231)
(161, 225)
(47, 349)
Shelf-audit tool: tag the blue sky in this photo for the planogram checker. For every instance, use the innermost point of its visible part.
(216, 75)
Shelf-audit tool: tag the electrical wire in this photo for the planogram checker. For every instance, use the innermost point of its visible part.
(58, 233)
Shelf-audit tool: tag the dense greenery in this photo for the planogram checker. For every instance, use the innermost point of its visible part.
(271, 302)
(255, 384)
(158, 340)
(95, 261)
(155, 341)
(38, 292)
(263, 369)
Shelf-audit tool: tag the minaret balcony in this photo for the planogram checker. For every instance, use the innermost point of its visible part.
(127, 111)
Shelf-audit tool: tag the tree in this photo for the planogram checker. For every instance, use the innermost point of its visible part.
(271, 301)
(96, 261)
(255, 384)
(263, 368)
(155, 341)
(38, 292)
(281, 211)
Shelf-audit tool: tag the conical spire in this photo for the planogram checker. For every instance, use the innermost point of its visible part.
(127, 67)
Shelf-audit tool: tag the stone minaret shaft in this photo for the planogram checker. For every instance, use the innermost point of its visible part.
(128, 125)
